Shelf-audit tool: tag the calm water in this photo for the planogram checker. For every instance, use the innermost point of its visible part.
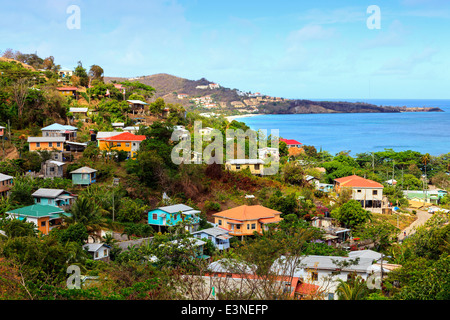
(426, 132)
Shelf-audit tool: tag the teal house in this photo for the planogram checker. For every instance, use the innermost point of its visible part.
(84, 176)
(54, 197)
(172, 215)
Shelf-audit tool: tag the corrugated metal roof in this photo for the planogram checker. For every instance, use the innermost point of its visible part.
(4, 177)
(46, 139)
(57, 126)
(84, 170)
(176, 208)
(326, 262)
(48, 193)
(215, 232)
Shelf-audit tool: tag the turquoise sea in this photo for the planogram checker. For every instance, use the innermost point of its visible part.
(425, 132)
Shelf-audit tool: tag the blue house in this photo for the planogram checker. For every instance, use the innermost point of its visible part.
(84, 176)
(219, 236)
(54, 197)
(172, 215)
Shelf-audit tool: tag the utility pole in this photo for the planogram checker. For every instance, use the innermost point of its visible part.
(393, 162)
(373, 162)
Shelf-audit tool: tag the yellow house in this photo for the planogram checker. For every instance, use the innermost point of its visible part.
(46, 143)
(255, 165)
(125, 141)
(244, 220)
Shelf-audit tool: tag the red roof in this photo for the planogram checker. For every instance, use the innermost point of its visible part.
(125, 136)
(290, 141)
(357, 181)
(67, 88)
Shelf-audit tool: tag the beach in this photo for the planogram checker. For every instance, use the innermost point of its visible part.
(231, 118)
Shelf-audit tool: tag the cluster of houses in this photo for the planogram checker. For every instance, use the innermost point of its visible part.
(205, 102)
(51, 205)
(60, 141)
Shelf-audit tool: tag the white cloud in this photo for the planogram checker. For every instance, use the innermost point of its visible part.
(406, 65)
(395, 35)
(311, 32)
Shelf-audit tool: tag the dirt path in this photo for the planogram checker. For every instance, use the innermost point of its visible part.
(422, 217)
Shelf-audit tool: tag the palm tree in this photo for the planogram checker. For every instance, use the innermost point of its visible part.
(351, 290)
(86, 212)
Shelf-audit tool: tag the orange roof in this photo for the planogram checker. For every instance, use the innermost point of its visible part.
(125, 136)
(357, 181)
(307, 288)
(270, 220)
(242, 213)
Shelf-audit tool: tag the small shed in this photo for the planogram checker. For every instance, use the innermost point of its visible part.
(84, 176)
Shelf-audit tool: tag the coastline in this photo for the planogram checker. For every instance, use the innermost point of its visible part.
(231, 118)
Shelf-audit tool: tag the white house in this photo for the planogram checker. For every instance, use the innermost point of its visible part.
(264, 153)
(206, 131)
(325, 271)
(99, 251)
(368, 192)
(219, 236)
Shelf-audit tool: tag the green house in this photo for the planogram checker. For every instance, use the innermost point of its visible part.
(84, 176)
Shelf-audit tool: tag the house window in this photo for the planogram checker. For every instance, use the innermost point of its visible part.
(84, 176)
(38, 144)
(359, 191)
(238, 167)
(238, 226)
(105, 252)
(248, 227)
(134, 144)
(253, 226)
(154, 216)
(96, 254)
(42, 223)
(119, 144)
(52, 169)
(220, 222)
(50, 144)
(314, 276)
(375, 192)
(256, 166)
(38, 200)
(127, 144)
(58, 144)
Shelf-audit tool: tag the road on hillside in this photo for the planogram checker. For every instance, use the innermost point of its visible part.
(422, 217)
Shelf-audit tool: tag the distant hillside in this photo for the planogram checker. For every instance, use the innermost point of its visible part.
(166, 85)
(308, 106)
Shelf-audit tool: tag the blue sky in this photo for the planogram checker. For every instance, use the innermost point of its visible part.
(292, 49)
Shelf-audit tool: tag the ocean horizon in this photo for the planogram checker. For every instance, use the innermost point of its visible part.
(425, 132)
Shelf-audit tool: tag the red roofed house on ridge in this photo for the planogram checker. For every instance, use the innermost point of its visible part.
(291, 143)
(368, 192)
